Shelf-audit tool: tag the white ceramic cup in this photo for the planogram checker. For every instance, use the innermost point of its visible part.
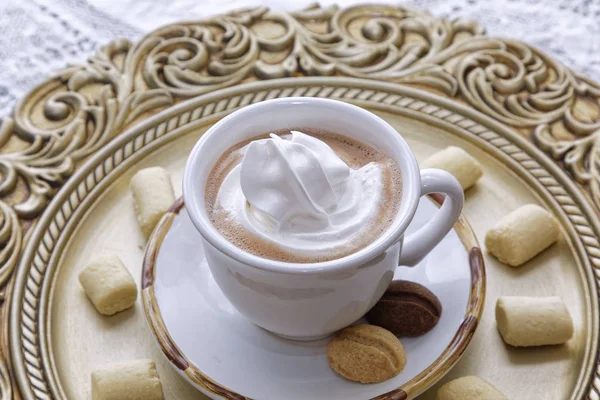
(310, 301)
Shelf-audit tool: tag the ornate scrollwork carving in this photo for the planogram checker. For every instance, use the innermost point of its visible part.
(376, 42)
(66, 119)
(514, 84)
(574, 139)
(10, 242)
(193, 59)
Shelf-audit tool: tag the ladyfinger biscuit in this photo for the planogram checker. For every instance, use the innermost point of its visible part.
(366, 354)
(108, 284)
(522, 234)
(153, 195)
(132, 380)
(533, 321)
(469, 388)
(459, 163)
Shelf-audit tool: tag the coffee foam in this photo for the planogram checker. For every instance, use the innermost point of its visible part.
(354, 153)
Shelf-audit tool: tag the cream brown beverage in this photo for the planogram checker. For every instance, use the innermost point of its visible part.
(337, 206)
(303, 195)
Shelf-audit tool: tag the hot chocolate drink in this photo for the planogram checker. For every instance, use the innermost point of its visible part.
(303, 195)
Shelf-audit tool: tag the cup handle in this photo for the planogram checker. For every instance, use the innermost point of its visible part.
(420, 243)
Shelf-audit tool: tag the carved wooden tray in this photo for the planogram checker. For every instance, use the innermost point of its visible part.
(74, 141)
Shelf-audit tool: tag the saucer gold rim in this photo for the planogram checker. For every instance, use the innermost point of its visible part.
(429, 376)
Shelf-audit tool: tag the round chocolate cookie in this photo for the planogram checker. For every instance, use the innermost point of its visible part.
(406, 309)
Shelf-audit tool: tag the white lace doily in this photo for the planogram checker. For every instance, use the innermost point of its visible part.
(40, 36)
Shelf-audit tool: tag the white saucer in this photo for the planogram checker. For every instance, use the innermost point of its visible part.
(226, 356)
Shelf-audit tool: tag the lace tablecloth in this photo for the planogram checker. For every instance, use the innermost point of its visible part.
(40, 36)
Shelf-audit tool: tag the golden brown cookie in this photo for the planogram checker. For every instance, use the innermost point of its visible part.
(366, 354)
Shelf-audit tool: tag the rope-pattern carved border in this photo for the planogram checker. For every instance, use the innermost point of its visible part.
(79, 188)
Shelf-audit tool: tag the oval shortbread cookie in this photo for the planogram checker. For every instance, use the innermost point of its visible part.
(459, 163)
(131, 380)
(153, 195)
(522, 234)
(469, 388)
(533, 321)
(366, 354)
(108, 284)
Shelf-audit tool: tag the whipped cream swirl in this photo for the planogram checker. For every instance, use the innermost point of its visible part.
(296, 192)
